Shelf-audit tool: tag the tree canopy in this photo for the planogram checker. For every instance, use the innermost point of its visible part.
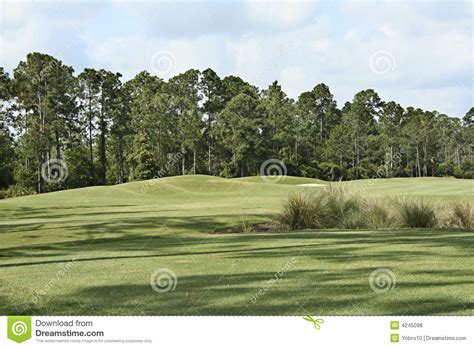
(63, 130)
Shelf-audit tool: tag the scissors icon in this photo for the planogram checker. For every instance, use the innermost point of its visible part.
(316, 322)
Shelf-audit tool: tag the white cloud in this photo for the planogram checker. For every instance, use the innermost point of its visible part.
(300, 43)
(286, 14)
(130, 55)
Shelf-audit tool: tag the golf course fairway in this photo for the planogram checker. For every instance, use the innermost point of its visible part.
(95, 251)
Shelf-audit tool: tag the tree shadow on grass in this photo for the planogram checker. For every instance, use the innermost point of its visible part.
(338, 290)
(25, 212)
(298, 292)
(154, 240)
(130, 234)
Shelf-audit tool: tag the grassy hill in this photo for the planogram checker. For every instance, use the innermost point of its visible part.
(285, 180)
(117, 236)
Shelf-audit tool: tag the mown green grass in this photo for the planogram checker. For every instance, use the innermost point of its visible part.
(118, 236)
(283, 180)
(434, 189)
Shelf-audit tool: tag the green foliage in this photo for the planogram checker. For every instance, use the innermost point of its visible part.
(332, 171)
(239, 133)
(16, 191)
(311, 170)
(465, 170)
(446, 169)
(6, 156)
(115, 132)
(77, 160)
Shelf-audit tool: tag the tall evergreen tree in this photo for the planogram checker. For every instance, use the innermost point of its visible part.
(45, 92)
(240, 134)
(107, 133)
(6, 140)
(212, 91)
(361, 117)
(89, 87)
(109, 106)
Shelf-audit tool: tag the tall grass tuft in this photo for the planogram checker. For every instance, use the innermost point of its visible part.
(334, 207)
(302, 210)
(461, 215)
(416, 213)
(343, 208)
(379, 214)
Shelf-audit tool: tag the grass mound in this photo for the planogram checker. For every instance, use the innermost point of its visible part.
(281, 180)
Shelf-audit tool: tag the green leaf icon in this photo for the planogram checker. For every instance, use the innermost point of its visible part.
(19, 328)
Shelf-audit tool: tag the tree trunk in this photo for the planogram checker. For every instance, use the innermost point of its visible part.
(102, 155)
(39, 175)
(209, 145)
(121, 165)
(58, 146)
(357, 155)
(321, 130)
(391, 157)
(91, 155)
(418, 168)
(296, 151)
(183, 165)
(425, 157)
(209, 160)
(41, 154)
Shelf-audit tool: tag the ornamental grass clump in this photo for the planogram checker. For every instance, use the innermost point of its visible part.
(302, 210)
(461, 215)
(415, 213)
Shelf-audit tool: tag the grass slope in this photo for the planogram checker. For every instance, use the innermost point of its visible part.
(285, 180)
(119, 235)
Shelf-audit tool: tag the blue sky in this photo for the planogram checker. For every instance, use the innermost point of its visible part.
(418, 53)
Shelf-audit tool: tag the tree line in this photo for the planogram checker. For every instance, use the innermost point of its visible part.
(102, 130)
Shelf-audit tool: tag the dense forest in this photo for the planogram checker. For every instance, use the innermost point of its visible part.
(63, 130)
